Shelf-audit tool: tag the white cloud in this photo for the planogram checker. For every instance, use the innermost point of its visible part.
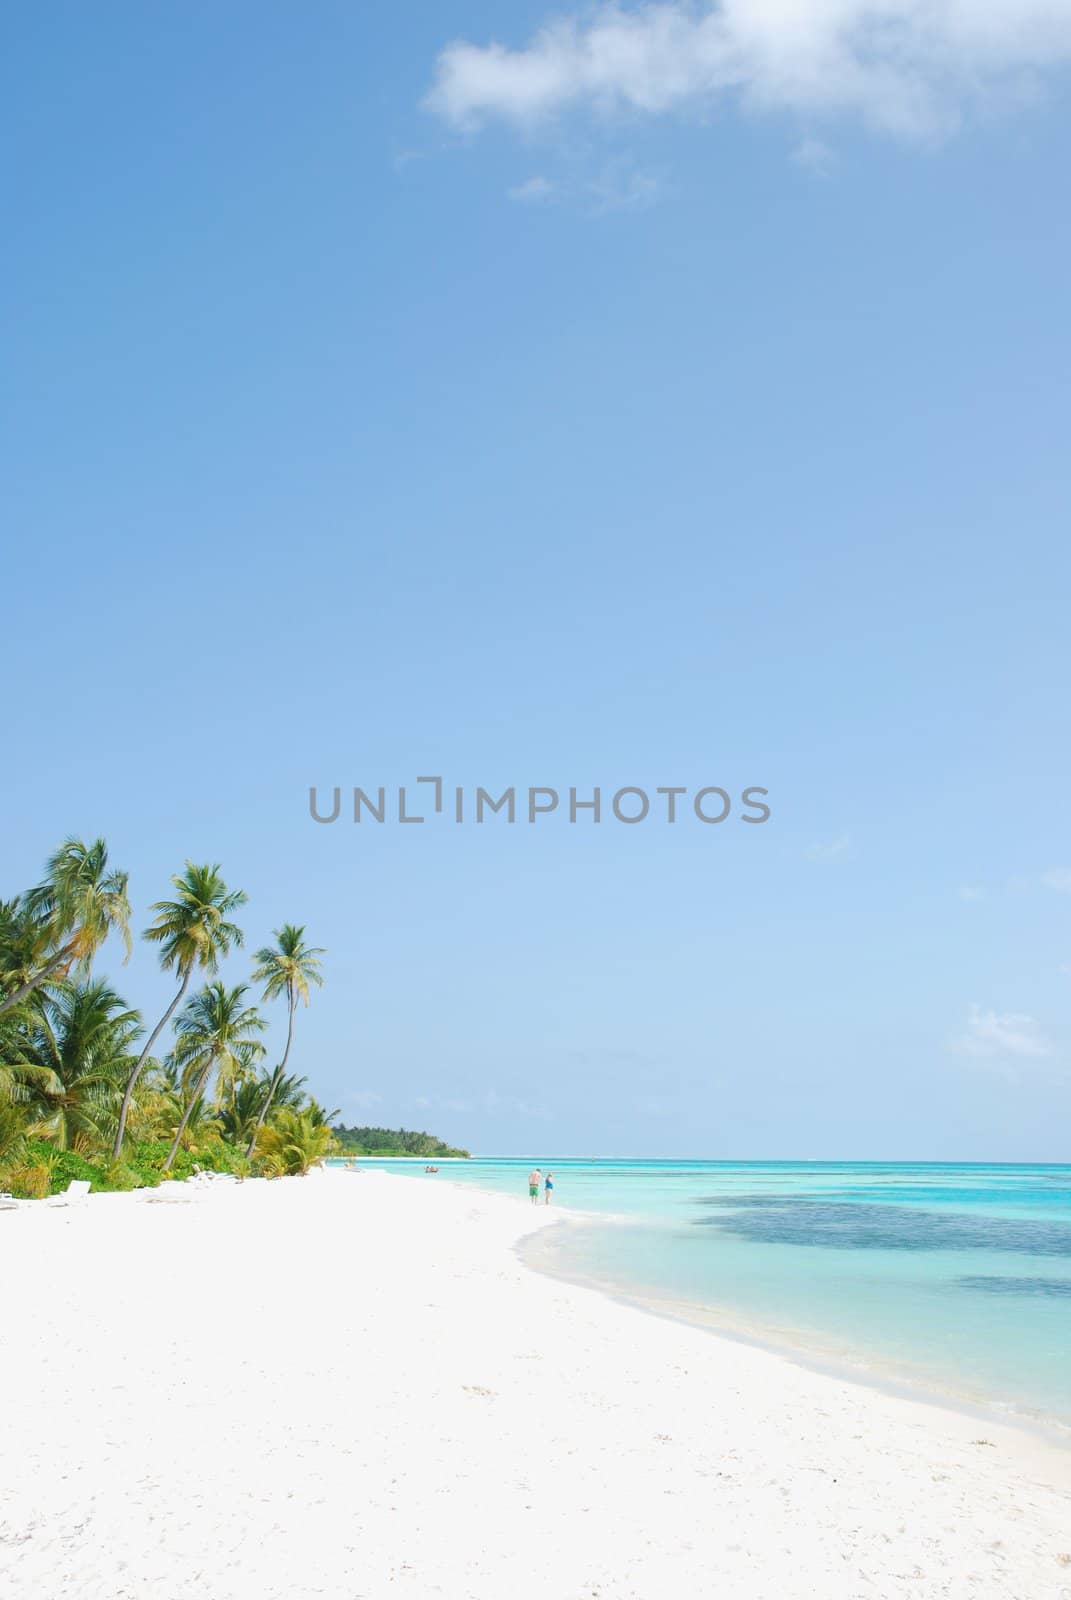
(1002, 1034)
(533, 190)
(911, 68)
(616, 186)
(971, 892)
(1058, 878)
(814, 156)
(833, 851)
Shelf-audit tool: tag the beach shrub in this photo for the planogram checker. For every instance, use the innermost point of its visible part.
(70, 1167)
(219, 1157)
(148, 1154)
(181, 1167)
(63, 1167)
(41, 1170)
(122, 1176)
(291, 1143)
(12, 1135)
(29, 1180)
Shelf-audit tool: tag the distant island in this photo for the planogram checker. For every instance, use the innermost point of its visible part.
(391, 1142)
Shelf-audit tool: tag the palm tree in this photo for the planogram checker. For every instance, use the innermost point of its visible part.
(72, 912)
(192, 931)
(23, 945)
(320, 1116)
(285, 968)
(216, 1029)
(293, 1142)
(240, 1118)
(24, 1088)
(82, 1037)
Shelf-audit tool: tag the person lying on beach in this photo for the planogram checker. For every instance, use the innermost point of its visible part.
(533, 1185)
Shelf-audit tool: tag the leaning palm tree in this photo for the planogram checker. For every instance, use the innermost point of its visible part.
(23, 946)
(71, 912)
(215, 1030)
(192, 932)
(79, 1045)
(286, 968)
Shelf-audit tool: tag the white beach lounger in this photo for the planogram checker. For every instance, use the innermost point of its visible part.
(8, 1202)
(75, 1192)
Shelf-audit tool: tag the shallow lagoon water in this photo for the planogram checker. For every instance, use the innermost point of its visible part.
(956, 1278)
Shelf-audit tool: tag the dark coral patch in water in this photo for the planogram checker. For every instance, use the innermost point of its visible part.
(782, 1219)
(1044, 1288)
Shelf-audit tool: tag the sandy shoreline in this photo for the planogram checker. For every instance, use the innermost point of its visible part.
(351, 1386)
(795, 1347)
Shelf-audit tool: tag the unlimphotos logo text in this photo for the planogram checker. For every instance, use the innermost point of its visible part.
(430, 797)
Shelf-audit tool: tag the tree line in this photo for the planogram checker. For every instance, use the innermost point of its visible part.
(391, 1142)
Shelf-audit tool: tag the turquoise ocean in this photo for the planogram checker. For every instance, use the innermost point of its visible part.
(953, 1279)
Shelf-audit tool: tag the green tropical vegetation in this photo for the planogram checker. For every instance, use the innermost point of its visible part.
(390, 1142)
(292, 1142)
(87, 1092)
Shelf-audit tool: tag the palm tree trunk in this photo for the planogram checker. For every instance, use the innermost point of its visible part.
(276, 1080)
(36, 981)
(136, 1074)
(187, 1114)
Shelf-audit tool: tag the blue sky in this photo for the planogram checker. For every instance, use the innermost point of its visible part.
(676, 397)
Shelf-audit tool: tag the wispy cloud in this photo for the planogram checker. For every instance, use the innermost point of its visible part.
(620, 187)
(815, 157)
(533, 191)
(1002, 1034)
(616, 185)
(834, 850)
(971, 892)
(1058, 878)
(365, 1099)
(471, 1101)
(911, 68)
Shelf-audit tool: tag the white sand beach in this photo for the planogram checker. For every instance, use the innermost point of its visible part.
(349, 1386)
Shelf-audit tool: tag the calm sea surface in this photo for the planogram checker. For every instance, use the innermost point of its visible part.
(957, 1278)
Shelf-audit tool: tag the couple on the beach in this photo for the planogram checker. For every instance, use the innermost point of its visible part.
(535, 1178)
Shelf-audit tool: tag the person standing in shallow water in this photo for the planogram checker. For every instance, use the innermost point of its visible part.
(533, 1185)
(548, 1188)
